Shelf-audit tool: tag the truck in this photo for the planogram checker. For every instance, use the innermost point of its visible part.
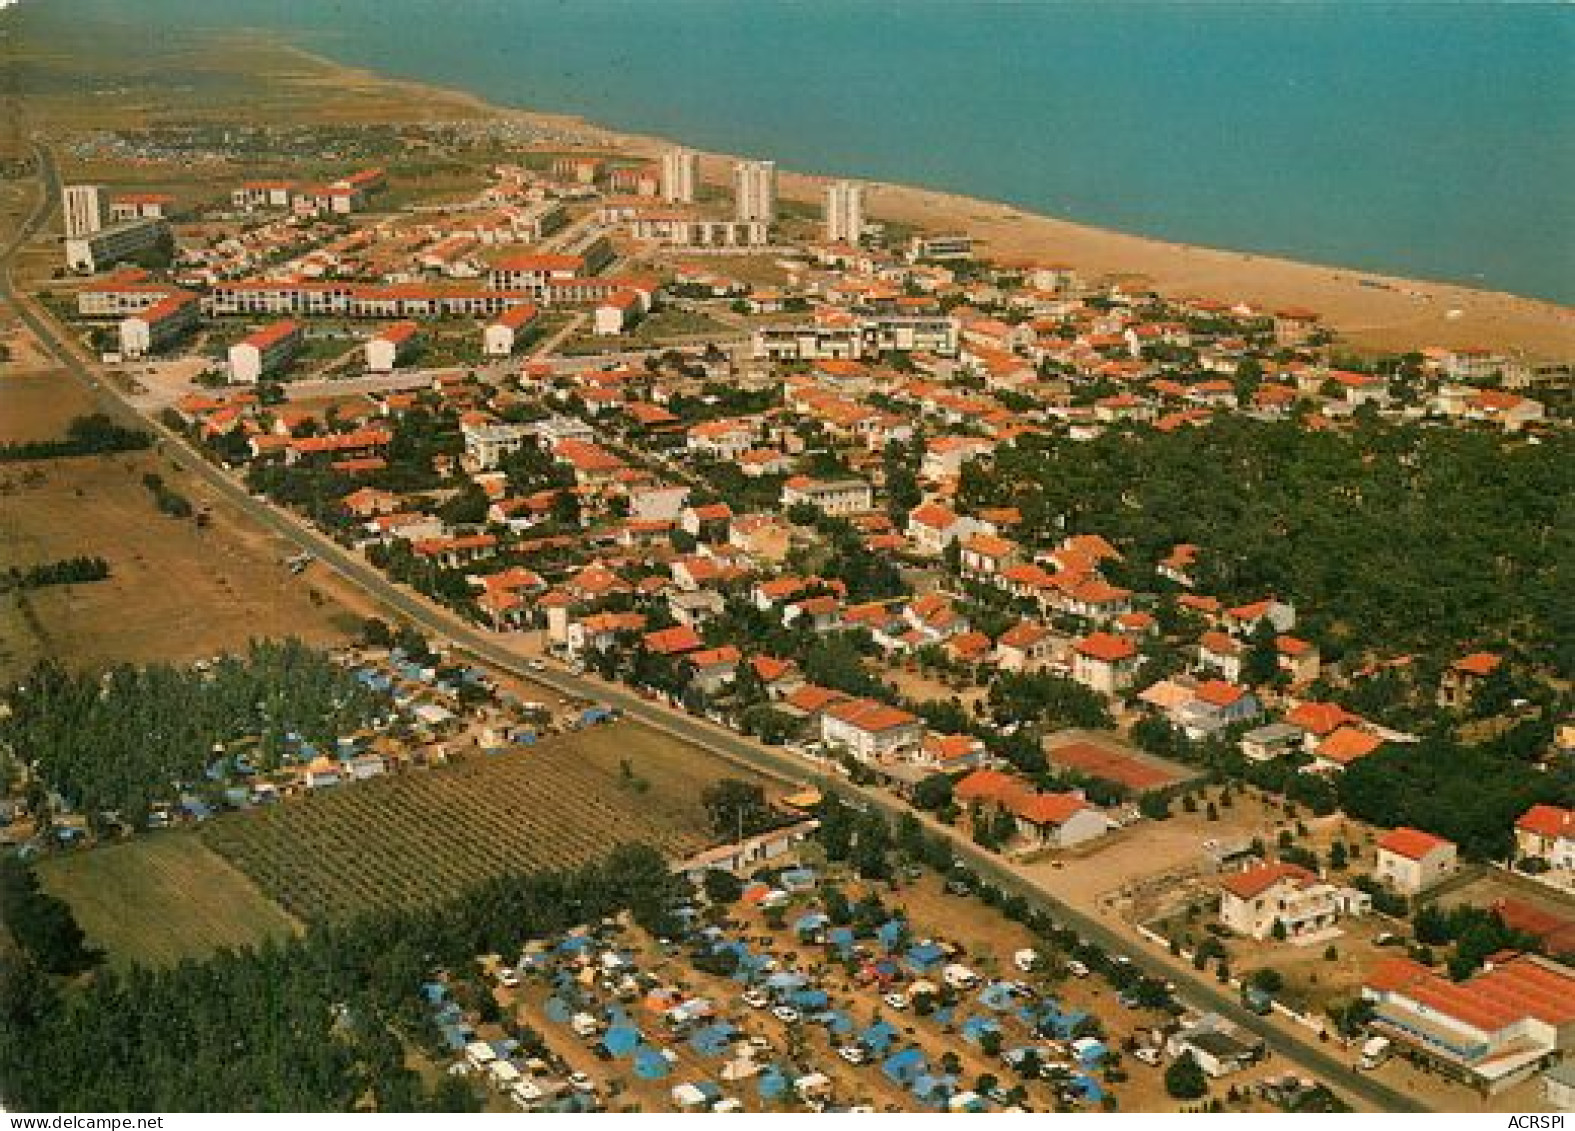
(1375, 1050)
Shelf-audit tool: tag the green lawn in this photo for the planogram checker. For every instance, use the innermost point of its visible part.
(161, 898)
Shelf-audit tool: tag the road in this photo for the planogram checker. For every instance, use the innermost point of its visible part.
(1200, 991)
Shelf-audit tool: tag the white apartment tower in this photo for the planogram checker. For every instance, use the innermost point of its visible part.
(86, 209)
(680, 172)
(844, 212)
(755, 190)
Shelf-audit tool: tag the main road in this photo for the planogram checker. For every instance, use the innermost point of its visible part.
(1298, 1048)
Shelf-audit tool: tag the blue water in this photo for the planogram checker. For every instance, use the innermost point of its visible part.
(1433, 140)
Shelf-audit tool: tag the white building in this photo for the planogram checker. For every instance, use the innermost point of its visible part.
(385, 351)
(150, 330)
(836, 497)
(1547, 832)
(1252, 902)
(265, 352)
(618, 312)
(86, 209)
(755, 190)
(872, 731)
(844, 212)
(680, 174)
(1411, 861)
(487, 444)
(501, 335)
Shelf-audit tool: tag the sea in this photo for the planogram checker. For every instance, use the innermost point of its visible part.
(1433, 140)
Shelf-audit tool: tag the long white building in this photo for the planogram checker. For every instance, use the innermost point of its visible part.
(755, 190)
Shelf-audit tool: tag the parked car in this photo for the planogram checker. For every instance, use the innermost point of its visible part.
(853, 1054)
(897, 1001)
(756, 999)
(786, 1014)
(1147, 1055)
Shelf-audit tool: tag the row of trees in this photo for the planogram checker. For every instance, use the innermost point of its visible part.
(66, 571)
(95, 434)
(133, 736)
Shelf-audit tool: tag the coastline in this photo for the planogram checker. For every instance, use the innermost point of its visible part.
(1369, 310)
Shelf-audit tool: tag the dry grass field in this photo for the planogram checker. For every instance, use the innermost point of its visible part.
(424, 834)
(176, 590)
(162, 898)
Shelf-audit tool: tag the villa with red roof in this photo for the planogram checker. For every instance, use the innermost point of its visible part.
(1410, 861)
(1060, 820)
(1105, 663)
(1461, 679)
(1547, 832)
(1254, 901)
(872, 732)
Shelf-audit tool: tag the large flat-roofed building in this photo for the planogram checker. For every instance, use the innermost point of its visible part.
(939, 248)
(264, 353)
(844, 212)
(105, 246)
(1493, 1030)
(680, 174)
(849, 339)
(755, 190)
(160, 325)
(836, 497)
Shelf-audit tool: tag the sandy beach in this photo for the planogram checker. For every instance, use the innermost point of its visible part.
(1370, 311)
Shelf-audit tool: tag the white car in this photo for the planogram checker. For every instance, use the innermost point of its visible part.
(853, 1054)
(756, 999)
(899, 1002)
(582, 1082)
(1077, 969)
(508, 979)
(786, 1014)
(1147, 1055)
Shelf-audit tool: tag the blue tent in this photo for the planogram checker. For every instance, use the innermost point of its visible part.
(786, 980)
(975, 1027)
(998, 996)
(621, 1040)
(649, 1063)
(1088, 1087)
(810, 922)
(573, 944)
(944, 1015)
(878, 1037)
(891, 933)
(434, 992)
(934, 1090)
(809, 999)
(771, 1083)
(558, 1010)
(714, 1040)
(1092, 1053)
(906, 1066)
(834, 1020)
(841, 938)
(924, 956)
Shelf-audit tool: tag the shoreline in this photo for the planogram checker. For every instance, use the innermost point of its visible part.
(1369, 310)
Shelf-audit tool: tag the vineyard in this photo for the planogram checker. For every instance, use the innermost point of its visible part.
(420, 835)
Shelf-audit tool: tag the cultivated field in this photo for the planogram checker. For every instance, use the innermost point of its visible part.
(424, 834)
(161, 898)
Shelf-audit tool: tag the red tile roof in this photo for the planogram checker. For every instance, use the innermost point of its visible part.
(1255, 881)
(1413, 844)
